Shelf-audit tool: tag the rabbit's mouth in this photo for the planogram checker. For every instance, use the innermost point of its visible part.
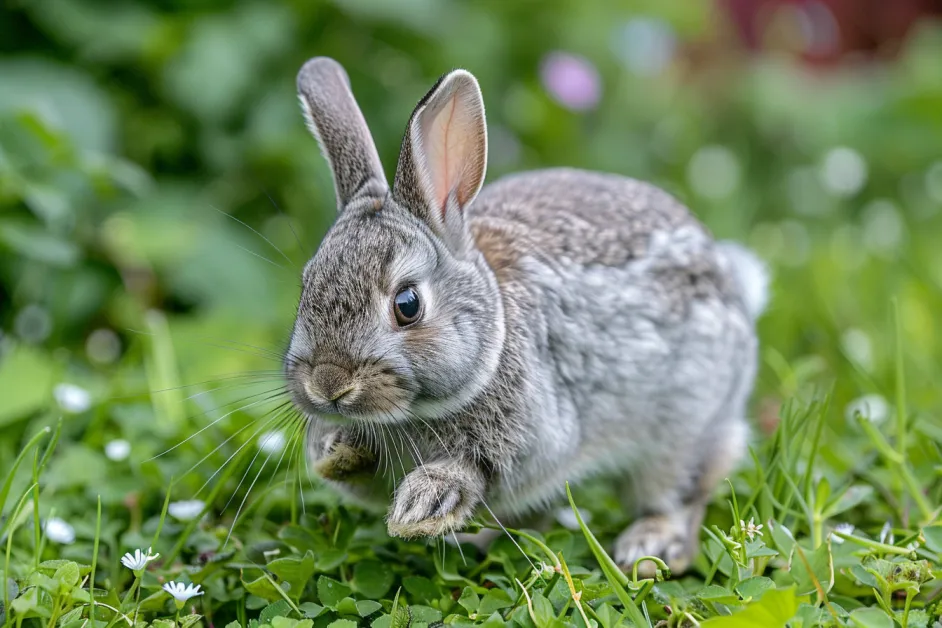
(374, 393)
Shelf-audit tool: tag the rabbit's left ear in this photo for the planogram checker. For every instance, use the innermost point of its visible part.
(444, 157)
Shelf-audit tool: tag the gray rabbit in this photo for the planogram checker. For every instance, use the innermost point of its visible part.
(458, 347)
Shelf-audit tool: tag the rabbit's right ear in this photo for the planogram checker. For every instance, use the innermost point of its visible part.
(335, 120)
(444, 157)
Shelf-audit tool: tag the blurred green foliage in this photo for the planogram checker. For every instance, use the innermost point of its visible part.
(132, 133)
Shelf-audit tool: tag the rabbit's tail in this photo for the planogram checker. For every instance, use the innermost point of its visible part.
(750, 273)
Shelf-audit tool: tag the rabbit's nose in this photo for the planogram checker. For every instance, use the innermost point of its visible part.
(331, 381)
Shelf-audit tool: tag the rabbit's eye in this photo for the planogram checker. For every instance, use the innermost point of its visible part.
(407, 306)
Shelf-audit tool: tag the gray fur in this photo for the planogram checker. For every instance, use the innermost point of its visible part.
(575, 324)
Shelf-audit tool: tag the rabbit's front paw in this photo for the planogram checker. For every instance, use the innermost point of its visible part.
(344, 461)
(433, 500)
(667, 537)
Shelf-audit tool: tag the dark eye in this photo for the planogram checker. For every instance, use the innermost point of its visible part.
(407, 306)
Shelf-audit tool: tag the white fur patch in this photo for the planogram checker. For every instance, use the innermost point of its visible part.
(752, 275)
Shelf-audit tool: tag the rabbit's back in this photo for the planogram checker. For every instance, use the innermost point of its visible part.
(641, 334)
(582, 216)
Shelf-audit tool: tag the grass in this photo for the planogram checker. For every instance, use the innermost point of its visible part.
(788, 542)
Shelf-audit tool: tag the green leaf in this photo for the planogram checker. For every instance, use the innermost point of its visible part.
(50, 567)
(495, 621)
(372, 579)
(285, 622)
(607, 615)
(715, 593)
(808, 616)
(190, 620)
(870, 618)
(67, 576)
(813, 569)
(854, 495)
(70, 96)
(281, 608)
(495, 600)
(347, 606)
(773, 610)
(421, 589)
(933, 536)
(297, 572)
(754, 588)
(33, 242)
(365, 608)
(26, 378)
(264, 588)
(543, 610)
(330, 591)
(469, 600)
(782, 538)
(304, 540)
(311, 610)
(425, 614)
(28, 605)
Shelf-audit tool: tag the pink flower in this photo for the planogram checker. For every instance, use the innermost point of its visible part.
(571, 80)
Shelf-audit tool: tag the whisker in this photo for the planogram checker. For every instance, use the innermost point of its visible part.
(274, 375)
(271, 424)
(249, 227)
(271, 393)
(290, 224)
(248, 491)
(223, 443)
(458, 545)
(261, 257)
(509, 536)
(270, 355)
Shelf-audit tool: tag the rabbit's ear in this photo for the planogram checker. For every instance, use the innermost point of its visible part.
(444, 157)
(335, 120)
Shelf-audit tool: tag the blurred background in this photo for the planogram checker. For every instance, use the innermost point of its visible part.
(159, 193)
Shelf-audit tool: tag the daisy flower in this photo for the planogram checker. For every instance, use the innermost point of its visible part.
(137, 561)
(186, 510)
(58, 531)
(842, 528)
(182, 592)
(751, 530)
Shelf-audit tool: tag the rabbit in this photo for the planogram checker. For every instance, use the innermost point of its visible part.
(460, 347)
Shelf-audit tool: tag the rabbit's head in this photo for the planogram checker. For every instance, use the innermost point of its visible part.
(399, 315)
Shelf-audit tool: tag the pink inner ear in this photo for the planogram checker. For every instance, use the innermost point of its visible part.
(449, 146)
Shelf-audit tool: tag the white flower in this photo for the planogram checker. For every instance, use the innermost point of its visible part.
(842, 528)
(59, 531)
(271, 442)
(874, 408)
(843, 171)
(137, 561)
(182, 592)
(72, 398)
(118, 449)
(751, 530)
(886, 534)
(186, 510)
(549, 570)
